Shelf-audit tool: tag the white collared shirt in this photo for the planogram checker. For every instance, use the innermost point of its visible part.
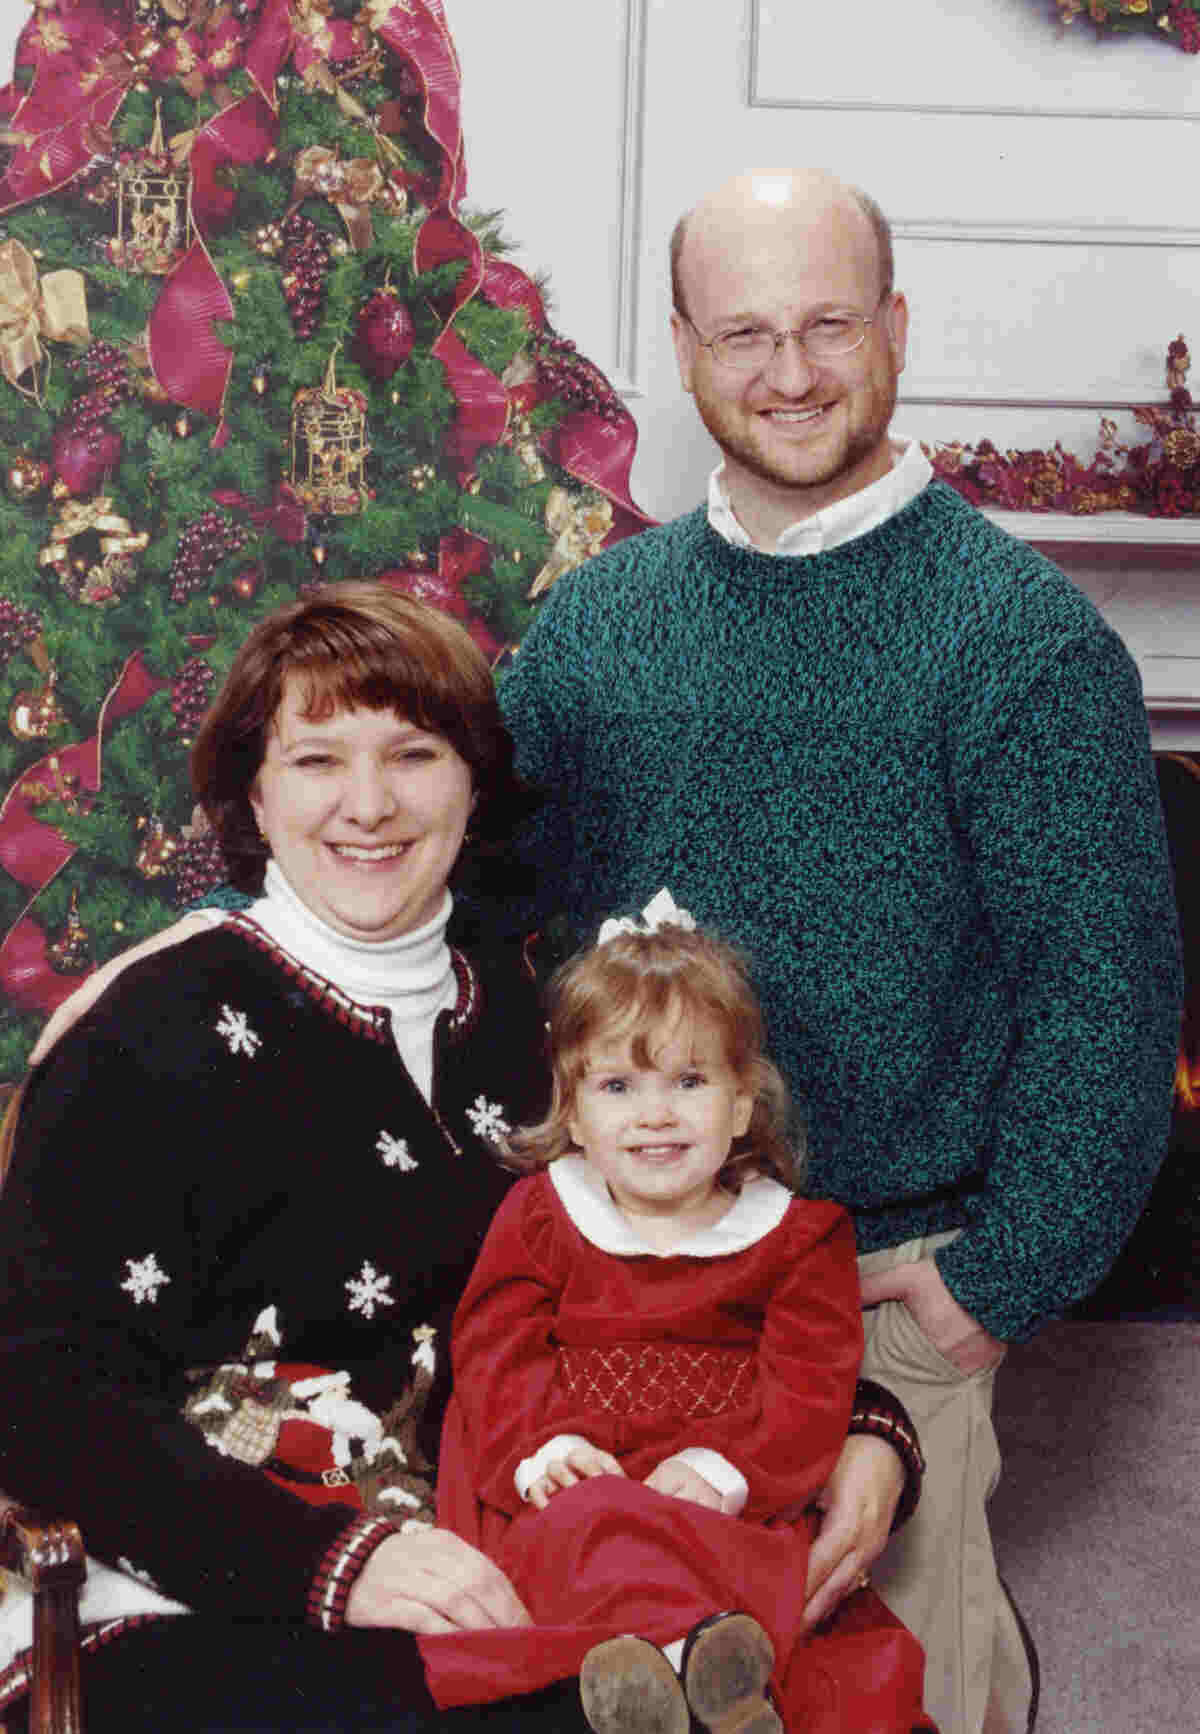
(840, 522)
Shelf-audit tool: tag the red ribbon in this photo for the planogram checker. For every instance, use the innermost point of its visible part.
(482, 400)
(242, 133)
(270, 46)
(187, 357)
(285, 517)
(441, 239)
(505, 286)
(74, 93)
(417, 29)
(600, 453)
(34, 852)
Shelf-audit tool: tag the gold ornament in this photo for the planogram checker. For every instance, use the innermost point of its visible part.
(26, 476)
(579, 524)
(70, 953)
(34, 715)
(154, 854)
(103, 570)
(154, 220)
(329, 446)
(182, 425)
(65, 788)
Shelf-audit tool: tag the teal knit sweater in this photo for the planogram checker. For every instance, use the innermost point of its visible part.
(911, 778)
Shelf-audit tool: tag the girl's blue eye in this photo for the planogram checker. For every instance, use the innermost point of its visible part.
(693, 1080)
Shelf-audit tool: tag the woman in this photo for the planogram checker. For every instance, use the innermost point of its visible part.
(247, 1190)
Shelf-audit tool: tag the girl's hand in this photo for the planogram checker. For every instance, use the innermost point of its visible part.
(580, 1463)
(680, 1481)
(429, 1580)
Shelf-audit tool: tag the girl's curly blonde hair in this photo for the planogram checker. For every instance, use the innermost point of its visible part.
(634, 987)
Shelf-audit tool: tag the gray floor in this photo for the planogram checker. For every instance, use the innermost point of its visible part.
(1097, 1521)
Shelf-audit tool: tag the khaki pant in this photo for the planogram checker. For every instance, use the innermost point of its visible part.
(938, 1573)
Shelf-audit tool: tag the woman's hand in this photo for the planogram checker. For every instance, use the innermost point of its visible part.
(428, 1580)
(858, 1503)
(680, 1481)
(89, 991)
(579, 1463)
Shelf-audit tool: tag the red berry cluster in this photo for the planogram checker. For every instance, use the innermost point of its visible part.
(17, 627)
(1172, 497)
(1186, 25)
(107, 373)
(190, 692)
(305, 261)
(570, 376)
(196, 866)
(205, 542)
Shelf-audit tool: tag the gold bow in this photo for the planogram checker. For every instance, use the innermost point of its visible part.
(351, 186)
(55, 308)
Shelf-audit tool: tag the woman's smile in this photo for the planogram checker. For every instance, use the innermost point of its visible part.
(364, 812)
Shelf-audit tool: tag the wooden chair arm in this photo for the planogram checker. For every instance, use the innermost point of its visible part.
(50, 1557)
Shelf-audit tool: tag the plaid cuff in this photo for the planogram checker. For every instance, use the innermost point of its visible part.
(880, 1413)
(337, 1572)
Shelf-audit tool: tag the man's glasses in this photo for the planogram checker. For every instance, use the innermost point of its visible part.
(748, 348)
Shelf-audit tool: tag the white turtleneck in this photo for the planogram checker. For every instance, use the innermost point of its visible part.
(411, 976)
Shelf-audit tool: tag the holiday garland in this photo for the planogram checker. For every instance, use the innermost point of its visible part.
(1160, 476)
(250, 339)
(1176, 21)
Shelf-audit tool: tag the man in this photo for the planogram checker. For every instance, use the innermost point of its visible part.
(897, 757)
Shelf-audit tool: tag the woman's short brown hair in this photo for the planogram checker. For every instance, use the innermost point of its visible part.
(637, 985)
(354, 645)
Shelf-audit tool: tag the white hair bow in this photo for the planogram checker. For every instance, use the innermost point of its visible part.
(661, 911)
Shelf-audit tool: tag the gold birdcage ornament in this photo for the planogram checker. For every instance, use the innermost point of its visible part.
(329, 446)
(154, 208)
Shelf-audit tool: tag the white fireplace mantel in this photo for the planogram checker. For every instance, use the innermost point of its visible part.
(1144, 576)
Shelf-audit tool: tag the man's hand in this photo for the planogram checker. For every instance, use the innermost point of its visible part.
(580, 1462)
(680, 1481)
(857, 1503)
(428, 1580)
(951, 1330)
(89, 991)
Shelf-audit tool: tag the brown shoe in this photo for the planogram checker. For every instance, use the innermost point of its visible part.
(627, 1686)
(727, 1664)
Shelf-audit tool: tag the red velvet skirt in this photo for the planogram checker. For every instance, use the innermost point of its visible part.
(611, 1556)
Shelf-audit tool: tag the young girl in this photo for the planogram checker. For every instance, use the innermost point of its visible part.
(654, 1366)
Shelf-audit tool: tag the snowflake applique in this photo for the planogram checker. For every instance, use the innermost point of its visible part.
(369, 1290)
(145, 1279)
(239, 1037)
(142, 1576)
(487, 1120)
(394, 1152)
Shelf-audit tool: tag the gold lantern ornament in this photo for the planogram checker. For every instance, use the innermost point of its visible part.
(329, 446)
(154, 221)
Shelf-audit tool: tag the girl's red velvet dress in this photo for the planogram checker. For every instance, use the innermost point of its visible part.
(740, 1348)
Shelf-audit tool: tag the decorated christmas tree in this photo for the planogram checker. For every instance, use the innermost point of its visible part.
(252, 338)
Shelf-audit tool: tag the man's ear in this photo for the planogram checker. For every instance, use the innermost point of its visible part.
(896, 325)
(685, 352)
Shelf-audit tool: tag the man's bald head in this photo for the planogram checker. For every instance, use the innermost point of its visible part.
(765, 197)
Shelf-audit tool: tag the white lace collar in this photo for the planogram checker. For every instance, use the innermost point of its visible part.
(758, 1208)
